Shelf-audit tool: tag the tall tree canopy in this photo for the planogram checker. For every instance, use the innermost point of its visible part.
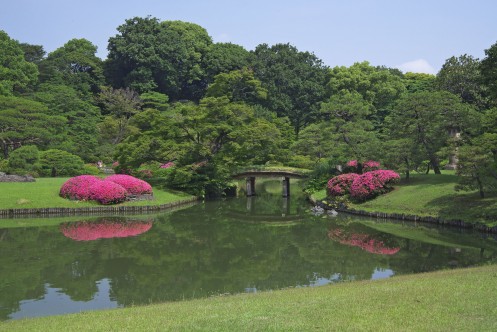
(295, 81)
(149, 55)
(15, 72)
(488, 69)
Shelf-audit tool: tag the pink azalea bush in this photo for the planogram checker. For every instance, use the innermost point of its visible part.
(107, 192)
(77, 187)
(133, 185)
(167, 165)
(371, 184)
(370, 165)
(340, 185)
(352, 163)
(89, 231)
(364, 241)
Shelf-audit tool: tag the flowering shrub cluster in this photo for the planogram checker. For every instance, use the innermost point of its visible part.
(340, 185)
(133, 185)
(77, 188)
(370, 165)
(104, 229)
(107, 192)
(372, 184)
(167, 165)
(363, 241)
(114, 189)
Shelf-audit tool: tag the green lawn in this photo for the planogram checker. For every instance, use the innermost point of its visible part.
(432, 195)
(44, 193)
(451, 300)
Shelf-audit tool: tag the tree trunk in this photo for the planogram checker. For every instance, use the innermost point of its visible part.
(434, 163)
(480, 187)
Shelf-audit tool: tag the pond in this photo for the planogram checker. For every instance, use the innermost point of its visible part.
(232, 246)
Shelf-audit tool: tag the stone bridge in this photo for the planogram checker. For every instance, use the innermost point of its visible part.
(285, 174)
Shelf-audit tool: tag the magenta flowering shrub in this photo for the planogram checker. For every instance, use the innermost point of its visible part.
(77, 187)
(167, 165)
(340, 185)
(133, 185)
(107, 192)
(370, 165)
(352, 163)
(89, 231)
(372, 184)
(364, 241)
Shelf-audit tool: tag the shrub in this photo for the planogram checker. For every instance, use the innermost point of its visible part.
(133, 185)
(60, 163)
(340, 185)
(107, 192)
(167, 165)
(372, 184)
(370, 165)
(23, 160)
(78, 187)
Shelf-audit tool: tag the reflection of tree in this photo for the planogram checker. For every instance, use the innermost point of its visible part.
(104, 229)
(363, 241)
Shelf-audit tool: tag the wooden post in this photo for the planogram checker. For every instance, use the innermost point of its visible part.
(286, 186)
(251, 186)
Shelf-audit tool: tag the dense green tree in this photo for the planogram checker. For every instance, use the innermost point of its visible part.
(347, 117)
(15, 72)
(33, 53)
(425, 118)
(82, 118)
(24, 160)
(149, 55)
(295, 82)
(24, 121)
(155, 100)
(377, 85)
(76, 65)
(223, 58)
(418, 82)
(488, 70)
(55, 162)
(316, 141)
(461, 76)
(238, 86)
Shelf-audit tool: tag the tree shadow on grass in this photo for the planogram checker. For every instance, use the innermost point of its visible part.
(468, 207)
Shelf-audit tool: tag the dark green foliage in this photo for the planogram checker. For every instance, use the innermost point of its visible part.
(24, 161)
(488, 70)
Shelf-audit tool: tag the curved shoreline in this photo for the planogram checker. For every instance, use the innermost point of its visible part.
(94, 210)
(409, 217)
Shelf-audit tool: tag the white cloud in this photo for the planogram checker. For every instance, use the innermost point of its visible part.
(417, 66)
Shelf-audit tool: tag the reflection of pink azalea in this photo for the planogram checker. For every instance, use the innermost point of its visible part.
(363, 241)
(89, 231)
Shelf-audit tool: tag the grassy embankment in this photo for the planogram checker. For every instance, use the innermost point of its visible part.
(451, 300)
(432, 195)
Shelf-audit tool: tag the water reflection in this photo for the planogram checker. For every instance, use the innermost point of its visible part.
(215, 248)
(104, 228)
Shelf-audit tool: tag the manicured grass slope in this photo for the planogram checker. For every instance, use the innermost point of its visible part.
(452, 300)
(432, 195)
(44, 193)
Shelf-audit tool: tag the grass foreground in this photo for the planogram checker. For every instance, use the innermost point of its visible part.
(432, 195)
(44, 193)
(449, 300)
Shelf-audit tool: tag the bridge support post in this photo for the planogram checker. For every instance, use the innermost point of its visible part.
(286, 186)
(251, 186)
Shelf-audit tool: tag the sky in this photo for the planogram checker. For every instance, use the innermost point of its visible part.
(412, 35)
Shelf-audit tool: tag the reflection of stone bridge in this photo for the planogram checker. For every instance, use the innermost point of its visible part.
(284, 174)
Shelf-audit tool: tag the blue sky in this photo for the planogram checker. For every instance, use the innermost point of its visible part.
(416, 35)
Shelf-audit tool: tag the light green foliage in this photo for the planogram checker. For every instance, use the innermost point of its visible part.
(15, 72)
(476, 168)
(55, 162)
(461, 76)
(238, 86)
(417, 82)
(15, 113)
(155, 100)
(148, 55)
(316, 141)
(377, 85)
(76, 65)
(294, 80)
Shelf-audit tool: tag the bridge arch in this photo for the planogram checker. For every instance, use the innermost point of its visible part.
(251, 174)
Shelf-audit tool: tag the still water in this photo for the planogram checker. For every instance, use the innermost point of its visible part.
(223, 247)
